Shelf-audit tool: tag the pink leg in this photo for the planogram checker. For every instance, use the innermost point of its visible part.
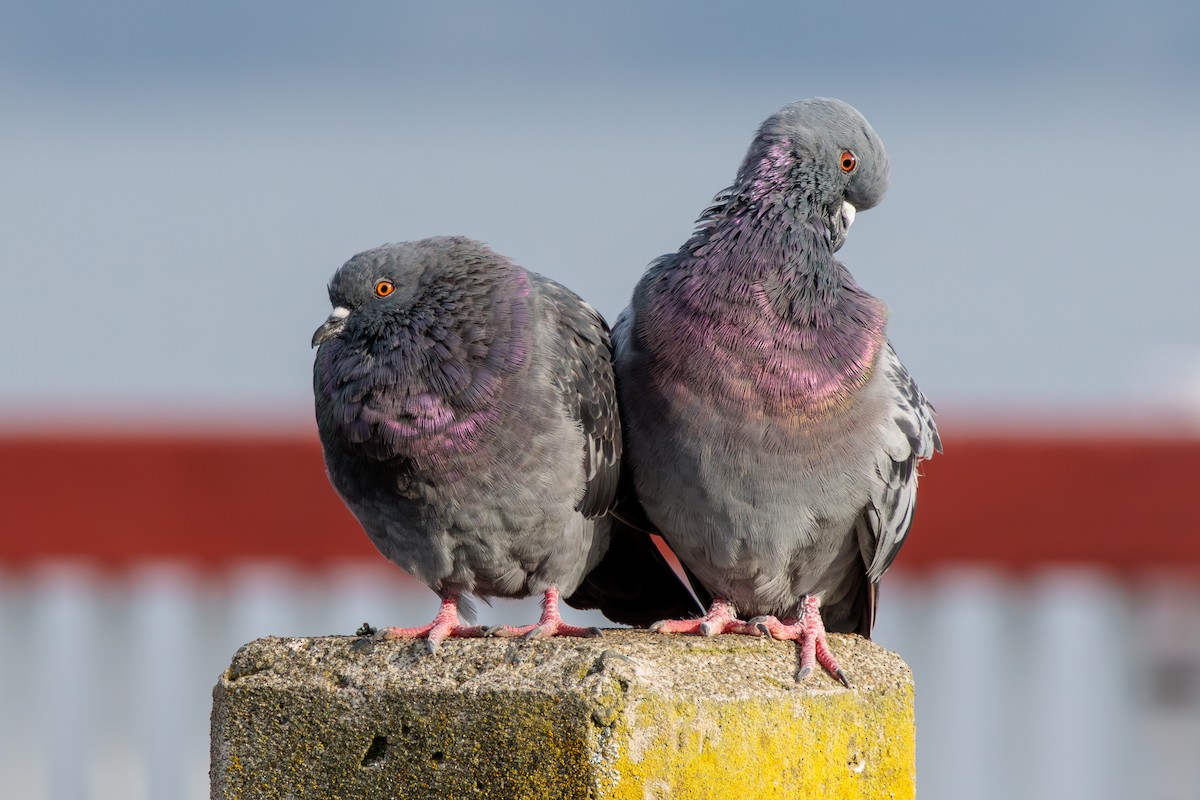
(444, 626)
(551, 624)
(809, 631)
(721, 618)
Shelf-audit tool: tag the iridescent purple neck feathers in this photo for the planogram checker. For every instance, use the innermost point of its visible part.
(759, 291)
(428, 382)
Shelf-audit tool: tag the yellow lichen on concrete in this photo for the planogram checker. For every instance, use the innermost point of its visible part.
(632, 715)
(832, 745)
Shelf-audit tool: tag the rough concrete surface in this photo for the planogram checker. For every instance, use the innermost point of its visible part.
(630, 715)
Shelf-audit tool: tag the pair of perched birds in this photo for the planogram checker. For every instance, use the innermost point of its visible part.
(494, 439)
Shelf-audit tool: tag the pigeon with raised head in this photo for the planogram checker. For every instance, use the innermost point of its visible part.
(468, 417)
(773, 434)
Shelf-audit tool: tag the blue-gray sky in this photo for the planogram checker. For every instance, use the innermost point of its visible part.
(180, 182)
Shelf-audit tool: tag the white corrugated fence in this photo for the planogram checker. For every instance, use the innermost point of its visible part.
(1058, 685)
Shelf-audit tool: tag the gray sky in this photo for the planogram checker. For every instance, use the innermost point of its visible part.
(179, 184)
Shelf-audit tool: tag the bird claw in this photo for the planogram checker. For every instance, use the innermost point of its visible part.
(508, 631)
(433, 634)
(546, 630)
(444, 626)
(551, 624)
(720, 618)
(837, 673)
(808, 630)
(759, 626)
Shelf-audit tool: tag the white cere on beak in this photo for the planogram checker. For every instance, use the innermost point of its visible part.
(339, 312)
(847, 214)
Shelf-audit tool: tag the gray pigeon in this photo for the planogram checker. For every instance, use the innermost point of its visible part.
(773, 434)
(468, 417)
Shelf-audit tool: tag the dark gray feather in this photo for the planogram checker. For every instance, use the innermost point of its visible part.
(584, 376)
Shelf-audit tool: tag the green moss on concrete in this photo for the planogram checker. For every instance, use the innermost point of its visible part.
(632, 715)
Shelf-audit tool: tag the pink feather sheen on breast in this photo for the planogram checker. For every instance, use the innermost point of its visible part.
(425, 414)
(426, 427)
(459, 437)
(752, 360)
(395, 400)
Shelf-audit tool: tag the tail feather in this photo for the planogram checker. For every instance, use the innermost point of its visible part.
(854, 612)
(634, 584)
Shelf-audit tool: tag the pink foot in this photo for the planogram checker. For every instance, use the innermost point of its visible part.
(444, 626)
(809, 631)
(551, 624)
(721, 618)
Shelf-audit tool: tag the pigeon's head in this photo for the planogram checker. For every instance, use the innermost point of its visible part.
(819, 156)
(376, 286)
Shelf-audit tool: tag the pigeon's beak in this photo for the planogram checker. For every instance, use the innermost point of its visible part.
(848, 212)
(838, 224)
(332, 326)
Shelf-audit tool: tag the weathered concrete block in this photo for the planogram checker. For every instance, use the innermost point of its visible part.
(631, 715)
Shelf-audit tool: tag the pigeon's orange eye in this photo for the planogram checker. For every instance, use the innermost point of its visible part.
(384, 288)
(848, 161)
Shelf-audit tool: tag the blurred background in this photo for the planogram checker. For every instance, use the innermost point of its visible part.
(180, 181)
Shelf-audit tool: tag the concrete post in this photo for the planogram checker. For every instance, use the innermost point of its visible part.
(630, 715)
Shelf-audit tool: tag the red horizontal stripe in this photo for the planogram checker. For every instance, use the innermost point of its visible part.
(1124, 504)
(209, 499)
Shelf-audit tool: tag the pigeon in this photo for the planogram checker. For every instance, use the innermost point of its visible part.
(773, 434)
(467, 412)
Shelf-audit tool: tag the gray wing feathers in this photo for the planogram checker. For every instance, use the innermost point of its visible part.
(583, 374)
(909, 437)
